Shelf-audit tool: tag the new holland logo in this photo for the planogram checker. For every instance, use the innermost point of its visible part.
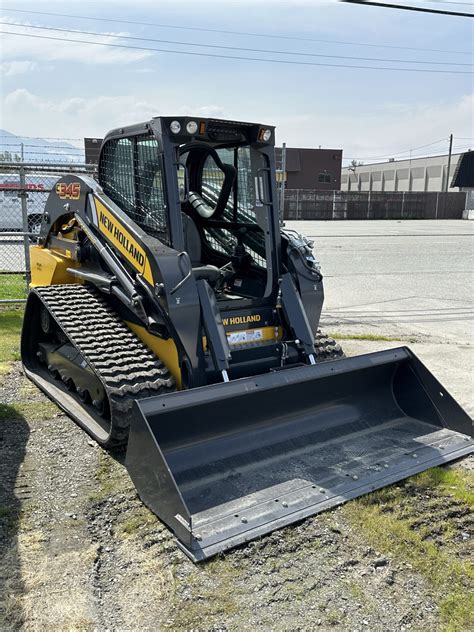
(242, 320)
(122, 239)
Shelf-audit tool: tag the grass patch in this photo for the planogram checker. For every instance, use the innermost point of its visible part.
(457, 483)
(109, 477)
(380, 517)
(33, 411)
(141, 517)
(10, 328)
(12, 286)
(338, 336)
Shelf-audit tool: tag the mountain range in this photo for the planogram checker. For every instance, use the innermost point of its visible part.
(28, 149)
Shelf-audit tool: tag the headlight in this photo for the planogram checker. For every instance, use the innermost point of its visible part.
(192, 127)
(175, 127)
(267, 134)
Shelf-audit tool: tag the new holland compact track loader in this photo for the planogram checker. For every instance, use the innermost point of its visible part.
(170, 313)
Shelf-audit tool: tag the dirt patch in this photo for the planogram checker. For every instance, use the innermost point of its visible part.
(81, 552)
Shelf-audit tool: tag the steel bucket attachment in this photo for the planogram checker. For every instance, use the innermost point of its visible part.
(226, 463)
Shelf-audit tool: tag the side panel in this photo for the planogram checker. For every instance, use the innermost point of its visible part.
(48, 268)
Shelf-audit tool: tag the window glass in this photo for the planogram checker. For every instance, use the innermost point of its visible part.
(131, 175)
(243, 199)
(151, 205)
(116, 167)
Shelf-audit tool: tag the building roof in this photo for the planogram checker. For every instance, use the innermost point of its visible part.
(385, 163)
(464, 174)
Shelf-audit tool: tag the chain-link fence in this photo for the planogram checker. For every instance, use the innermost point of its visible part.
(24, 189)
(334, 205)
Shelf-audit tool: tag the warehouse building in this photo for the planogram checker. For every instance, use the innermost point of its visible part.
(417, 174)
(315, 169)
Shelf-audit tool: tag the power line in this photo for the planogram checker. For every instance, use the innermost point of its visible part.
(459, 148)
(237, 48)
(40, 137)
(27, 145)
(406, 7)
(234, 57)
(405, 151)
(228, 32)
(465, 4)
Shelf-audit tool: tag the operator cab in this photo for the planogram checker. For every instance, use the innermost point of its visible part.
(219, 194)
(203, 186)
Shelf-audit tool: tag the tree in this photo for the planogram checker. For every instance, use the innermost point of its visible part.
(354, 164)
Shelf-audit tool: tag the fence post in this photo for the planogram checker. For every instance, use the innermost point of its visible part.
(297, 202)
(403, 203)
(368, 205)
(24, 215)
(333, 203)
(437, 202)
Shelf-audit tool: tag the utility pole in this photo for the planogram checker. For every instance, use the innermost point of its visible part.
(449, 162)
(22, 152)
(283, 180)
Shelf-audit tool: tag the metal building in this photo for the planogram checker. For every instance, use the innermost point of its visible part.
(417, 174)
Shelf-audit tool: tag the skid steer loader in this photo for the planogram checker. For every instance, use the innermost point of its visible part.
(171, 314)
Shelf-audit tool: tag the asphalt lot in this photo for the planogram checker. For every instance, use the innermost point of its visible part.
(412, 280)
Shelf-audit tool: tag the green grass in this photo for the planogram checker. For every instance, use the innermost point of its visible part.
(139, 518)
(457, 483)
(10, 328)
(338, 336)
(381, 518)
(12, 286)
(32, 411)
(110, 477)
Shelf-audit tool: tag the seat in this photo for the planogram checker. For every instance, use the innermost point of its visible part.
(193, 246)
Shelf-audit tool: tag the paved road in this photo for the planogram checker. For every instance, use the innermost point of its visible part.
(407, 279)
(416, 276)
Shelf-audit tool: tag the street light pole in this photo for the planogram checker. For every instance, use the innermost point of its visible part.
(446, 187)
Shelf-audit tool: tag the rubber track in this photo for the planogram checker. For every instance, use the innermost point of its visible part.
(327, 348)
(127, 369)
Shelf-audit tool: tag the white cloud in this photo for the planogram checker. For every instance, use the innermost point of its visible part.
(391, 128)
(382, 130)
(33, 115)
(11, 68)
(16, 47)
(204, 110)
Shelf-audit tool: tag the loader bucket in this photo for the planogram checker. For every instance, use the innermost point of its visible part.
(223, 464)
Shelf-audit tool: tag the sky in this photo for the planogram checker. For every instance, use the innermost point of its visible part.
(65, 89)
